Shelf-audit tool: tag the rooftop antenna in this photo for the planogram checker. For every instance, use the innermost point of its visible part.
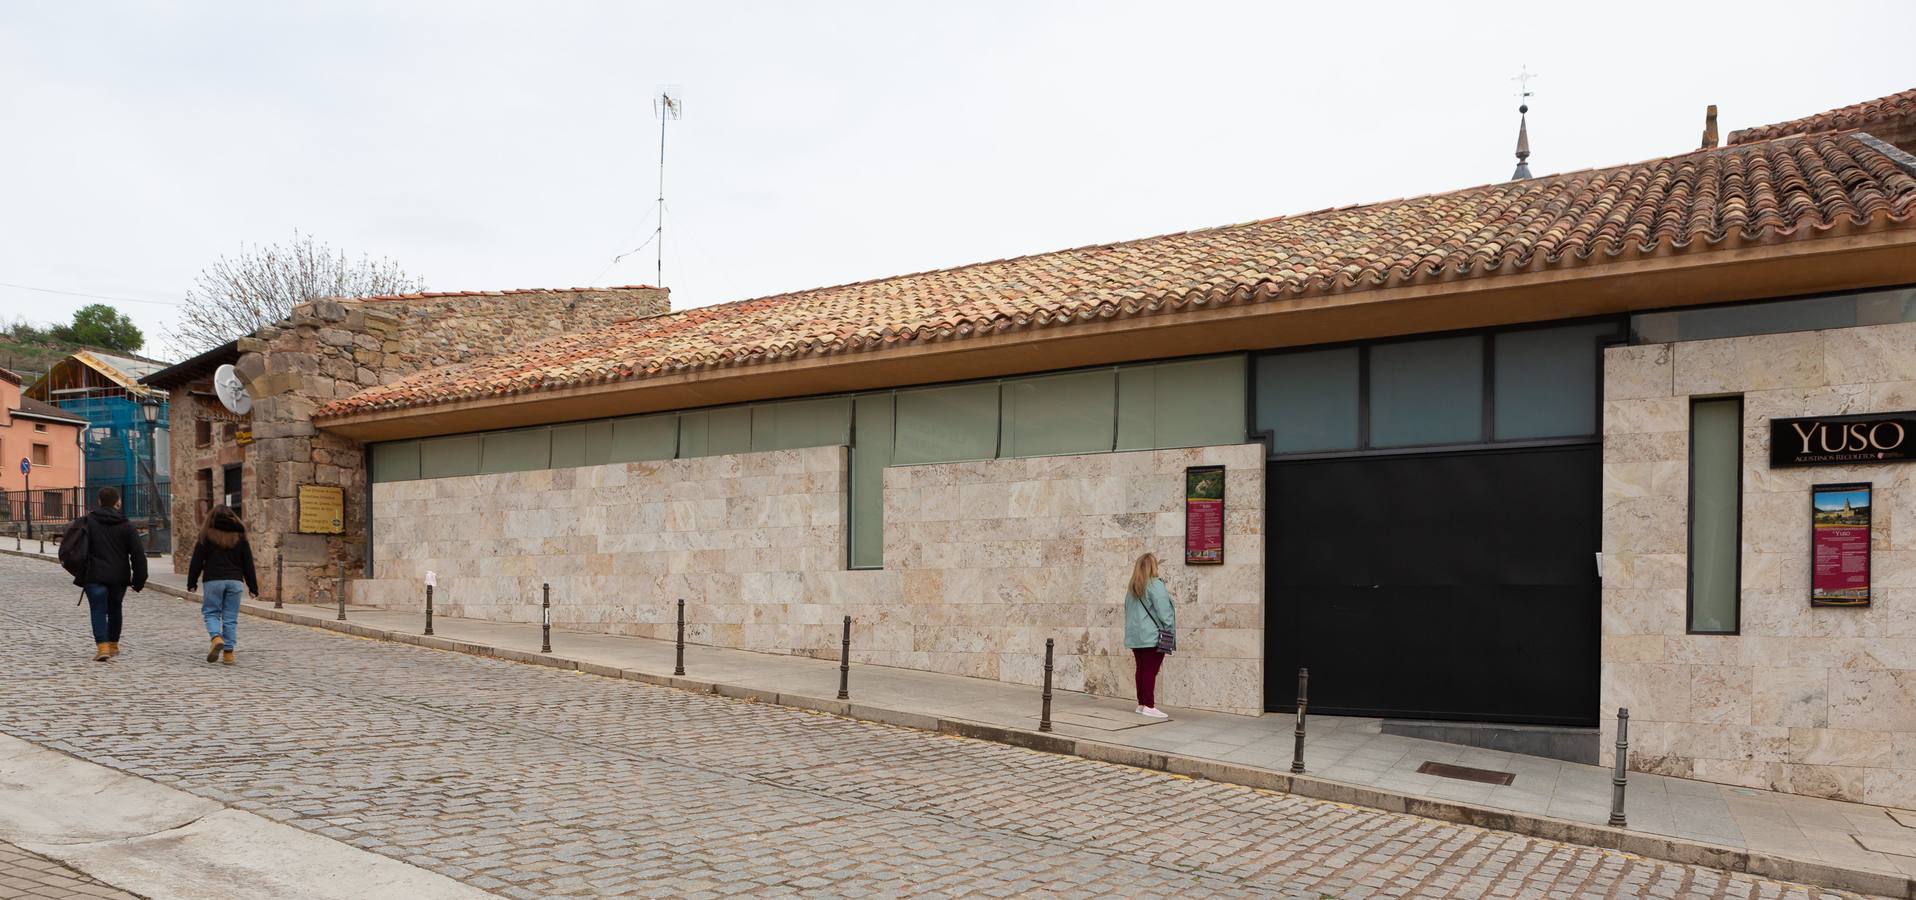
(1523, 125)
(668, 106)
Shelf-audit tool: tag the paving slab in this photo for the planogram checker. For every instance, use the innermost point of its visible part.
(158, 841)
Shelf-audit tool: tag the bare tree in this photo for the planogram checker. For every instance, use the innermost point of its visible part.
(238, 295)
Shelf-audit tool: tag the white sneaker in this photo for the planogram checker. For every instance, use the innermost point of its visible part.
(1153, 712)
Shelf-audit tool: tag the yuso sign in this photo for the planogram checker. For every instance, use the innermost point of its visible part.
(1843, 440)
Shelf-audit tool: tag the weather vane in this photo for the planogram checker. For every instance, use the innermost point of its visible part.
(1523, 86)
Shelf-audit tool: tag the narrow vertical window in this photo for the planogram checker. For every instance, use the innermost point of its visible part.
(1716, 518)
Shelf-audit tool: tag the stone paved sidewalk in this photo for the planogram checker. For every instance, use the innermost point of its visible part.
(27, 875)
(534, 781)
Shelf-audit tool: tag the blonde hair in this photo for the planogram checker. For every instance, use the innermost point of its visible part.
(1145, 569)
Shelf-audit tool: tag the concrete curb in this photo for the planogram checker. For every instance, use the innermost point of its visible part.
(1652, 846)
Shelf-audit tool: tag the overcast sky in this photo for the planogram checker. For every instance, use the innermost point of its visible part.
(495, 145)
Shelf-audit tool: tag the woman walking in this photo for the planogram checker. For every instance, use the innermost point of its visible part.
(226, 559)
(1150, 625)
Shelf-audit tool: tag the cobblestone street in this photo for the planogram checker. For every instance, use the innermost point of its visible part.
(27, 875)
(531, 782)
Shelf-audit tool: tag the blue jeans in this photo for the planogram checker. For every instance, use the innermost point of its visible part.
(221, 608)
(103, 604)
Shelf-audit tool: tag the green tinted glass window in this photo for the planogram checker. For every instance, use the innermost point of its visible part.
(1427, 392)
(1200, 403)
(1308, 401)
(446, 457)
(947, 424)
(1546, 382)
(397, 461)
(871, 453)
(793, 424)
(1716, 493)
(1059, 414)
(515, 451)
(643, 438)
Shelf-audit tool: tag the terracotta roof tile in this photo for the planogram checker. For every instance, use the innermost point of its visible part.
(511, 292)
(1783, 190)
(31, 407)
(1898, 107)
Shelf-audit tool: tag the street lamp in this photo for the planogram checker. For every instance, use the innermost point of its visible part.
(150, 411)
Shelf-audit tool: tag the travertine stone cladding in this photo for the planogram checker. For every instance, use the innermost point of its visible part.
(1811, 701)
(998, 555)
(983, 560)
(754, 543)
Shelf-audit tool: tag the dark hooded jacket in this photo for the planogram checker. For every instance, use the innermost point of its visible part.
(115, 556)
(223, 554)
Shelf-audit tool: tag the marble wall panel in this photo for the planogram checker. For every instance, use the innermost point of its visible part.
(984, 560)
(1808, 700)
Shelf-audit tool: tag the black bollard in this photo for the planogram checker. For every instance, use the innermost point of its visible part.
(1044, 710)
(678, 668)
(279, 581)
(340, 594)
(1303, 700)
(545, 621)
(845, 663)
(429, 609)
(1617, 780)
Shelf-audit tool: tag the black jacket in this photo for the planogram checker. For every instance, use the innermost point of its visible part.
(115, 556)
(223, 557)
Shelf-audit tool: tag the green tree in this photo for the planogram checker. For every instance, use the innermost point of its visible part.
(100, 325)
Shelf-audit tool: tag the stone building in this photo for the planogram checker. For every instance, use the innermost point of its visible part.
(326, 350)
(1500, 455)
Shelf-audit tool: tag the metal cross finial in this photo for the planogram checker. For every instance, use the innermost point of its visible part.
(1522, 78)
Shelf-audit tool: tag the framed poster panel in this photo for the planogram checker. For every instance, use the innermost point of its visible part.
(1839, 544)
(1204, 516)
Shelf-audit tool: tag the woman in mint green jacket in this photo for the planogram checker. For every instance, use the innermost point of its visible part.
(1147, 608)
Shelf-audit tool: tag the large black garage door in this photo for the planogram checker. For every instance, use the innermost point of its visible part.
(1445, 586)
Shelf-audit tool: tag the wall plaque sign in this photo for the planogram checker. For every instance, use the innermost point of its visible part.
(1204, 516)
(1843, 440)
(322, 509)
(1839, 544)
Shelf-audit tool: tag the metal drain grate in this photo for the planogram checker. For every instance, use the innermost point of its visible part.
(1466, 773)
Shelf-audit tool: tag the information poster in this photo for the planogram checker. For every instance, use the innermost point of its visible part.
(1204, 516)
(1839, 544)
(322, 509)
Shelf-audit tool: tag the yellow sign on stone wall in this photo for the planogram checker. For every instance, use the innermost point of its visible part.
(322, 509)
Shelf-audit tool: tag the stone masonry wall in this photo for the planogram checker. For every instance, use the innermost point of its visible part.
(983, 560)
(329, 349)
(187, 406)
(1818, 701)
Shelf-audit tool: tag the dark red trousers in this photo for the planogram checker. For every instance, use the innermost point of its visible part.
(1149, 659)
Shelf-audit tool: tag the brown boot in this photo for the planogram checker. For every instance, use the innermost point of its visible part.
(113, 648)
(213, 652)
(226, 658)
(102, 653)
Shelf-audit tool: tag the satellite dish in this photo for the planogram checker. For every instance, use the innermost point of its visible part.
(231, 389)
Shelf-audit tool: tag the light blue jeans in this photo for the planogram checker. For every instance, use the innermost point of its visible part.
(220, 607)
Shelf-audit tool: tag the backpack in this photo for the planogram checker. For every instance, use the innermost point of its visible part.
(75, 546)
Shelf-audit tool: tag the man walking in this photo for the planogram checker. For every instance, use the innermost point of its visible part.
(115, 560)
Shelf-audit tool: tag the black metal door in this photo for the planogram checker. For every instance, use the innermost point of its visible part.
(1444, 586)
